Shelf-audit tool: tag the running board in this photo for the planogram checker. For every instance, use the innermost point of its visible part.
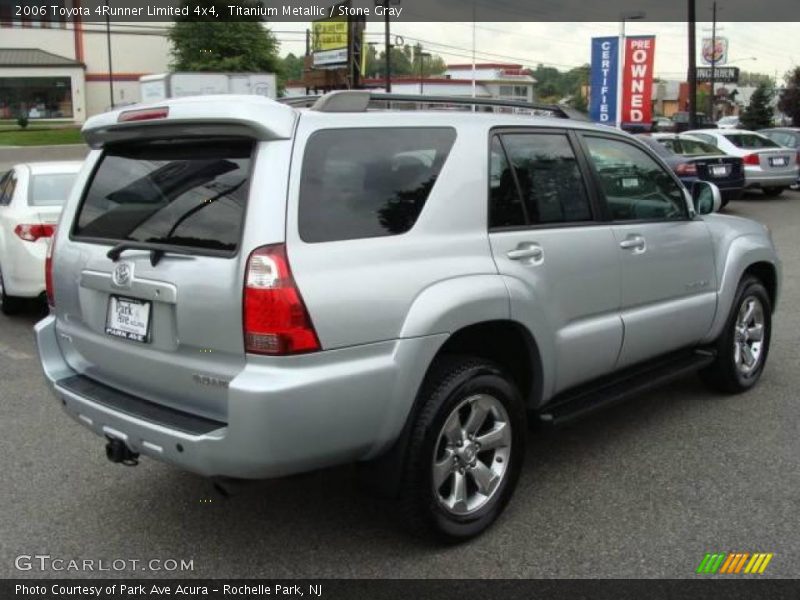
(584, 400)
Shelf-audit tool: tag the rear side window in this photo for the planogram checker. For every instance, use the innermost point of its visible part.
(51, 189)
(362, 183)
(542, 171)
(182, 194)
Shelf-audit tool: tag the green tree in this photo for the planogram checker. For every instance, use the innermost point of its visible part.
(789, 100)
(758, 113)
(292, 67)
(221, 43)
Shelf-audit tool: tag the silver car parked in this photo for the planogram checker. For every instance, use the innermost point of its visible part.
(251, 289)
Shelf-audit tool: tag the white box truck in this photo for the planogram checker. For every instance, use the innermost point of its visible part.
(153, 88)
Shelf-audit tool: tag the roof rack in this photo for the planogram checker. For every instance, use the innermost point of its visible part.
(360, 101)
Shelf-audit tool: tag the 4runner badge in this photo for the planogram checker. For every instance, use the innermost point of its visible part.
(122, 275)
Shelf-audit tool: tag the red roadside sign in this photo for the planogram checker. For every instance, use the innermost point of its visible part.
(637, 80)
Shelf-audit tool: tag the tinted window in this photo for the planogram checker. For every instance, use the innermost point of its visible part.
(169, 193)
(635, 185)
(361, 183)
(749, 141)
(50, 190)
(505, 204)
(547, 178)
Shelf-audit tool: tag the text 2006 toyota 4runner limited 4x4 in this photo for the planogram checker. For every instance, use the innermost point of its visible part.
(249, 289)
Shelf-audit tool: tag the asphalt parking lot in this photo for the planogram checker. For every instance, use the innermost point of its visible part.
(641, 490)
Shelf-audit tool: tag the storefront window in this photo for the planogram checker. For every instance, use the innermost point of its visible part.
(35, 97)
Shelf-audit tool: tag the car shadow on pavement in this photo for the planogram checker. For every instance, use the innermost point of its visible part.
(329, 508)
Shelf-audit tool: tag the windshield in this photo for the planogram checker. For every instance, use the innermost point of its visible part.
(180, 194)
(51, 189)
(750, 141)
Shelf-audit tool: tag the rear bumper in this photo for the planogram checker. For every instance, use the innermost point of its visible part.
(758, 178)
(309, 412)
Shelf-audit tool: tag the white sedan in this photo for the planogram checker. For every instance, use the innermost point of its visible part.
(767, 165)
(31, 196)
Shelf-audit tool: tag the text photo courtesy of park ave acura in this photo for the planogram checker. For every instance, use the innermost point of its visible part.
(380, 299)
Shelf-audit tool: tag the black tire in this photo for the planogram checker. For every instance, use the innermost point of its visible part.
(451, 381)
(9, 305)
(724, 374)
(772, 192)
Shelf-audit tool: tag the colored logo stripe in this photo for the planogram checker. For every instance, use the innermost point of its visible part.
(734, 563)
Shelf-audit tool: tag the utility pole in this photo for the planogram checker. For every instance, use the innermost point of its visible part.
(388, 45)
(110, 68)
(713, 59)
(692, 74)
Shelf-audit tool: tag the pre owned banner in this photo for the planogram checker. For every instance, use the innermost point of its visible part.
(605, 56)
(637, 82)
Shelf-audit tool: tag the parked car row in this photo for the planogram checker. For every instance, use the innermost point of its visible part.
(692, 159)
(768, 166)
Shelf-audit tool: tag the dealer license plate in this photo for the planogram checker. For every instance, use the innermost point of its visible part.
(719, 170)
(128, 318)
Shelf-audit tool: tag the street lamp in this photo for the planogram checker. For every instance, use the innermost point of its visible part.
(632, 15)
(730, 62)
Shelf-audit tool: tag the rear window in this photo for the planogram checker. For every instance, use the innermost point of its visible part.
(51, 189)
(362, 183)
(696, 148)
(181, 194)
(749, 141)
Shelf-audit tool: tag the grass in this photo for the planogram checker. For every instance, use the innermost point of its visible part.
(39, 137)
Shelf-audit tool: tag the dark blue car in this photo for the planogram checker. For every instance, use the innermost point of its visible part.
(692, 159)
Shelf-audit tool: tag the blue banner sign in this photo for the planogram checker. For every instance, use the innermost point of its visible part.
(603, 91)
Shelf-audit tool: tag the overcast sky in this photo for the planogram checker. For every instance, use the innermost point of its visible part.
(564, 45)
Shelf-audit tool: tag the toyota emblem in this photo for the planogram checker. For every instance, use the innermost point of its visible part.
(122, 275)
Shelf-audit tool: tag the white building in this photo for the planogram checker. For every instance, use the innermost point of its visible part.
(60, 70)
(492, 80)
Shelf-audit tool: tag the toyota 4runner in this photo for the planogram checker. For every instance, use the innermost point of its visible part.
(249, 289)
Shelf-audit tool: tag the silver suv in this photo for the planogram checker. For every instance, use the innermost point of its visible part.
(248, 289)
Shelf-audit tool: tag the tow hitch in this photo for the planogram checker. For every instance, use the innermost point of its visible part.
(118, 452)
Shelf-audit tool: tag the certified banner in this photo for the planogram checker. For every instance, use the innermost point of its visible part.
(637, 81)
(603, 91)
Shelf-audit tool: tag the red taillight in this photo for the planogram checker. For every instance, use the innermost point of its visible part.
(275, 319)
(48, 274)
(751, 159)
(31, 233)
(798, 157)
(686, 169)
(143, 114)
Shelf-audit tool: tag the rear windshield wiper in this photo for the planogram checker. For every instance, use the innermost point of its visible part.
(157, 251)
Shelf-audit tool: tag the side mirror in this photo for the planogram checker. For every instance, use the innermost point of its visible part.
(706, 197)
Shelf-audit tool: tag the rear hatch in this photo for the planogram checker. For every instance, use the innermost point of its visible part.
(161, 317)
(149, 259)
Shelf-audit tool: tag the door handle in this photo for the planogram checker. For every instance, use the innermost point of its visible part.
(634, 242)
(527, 250)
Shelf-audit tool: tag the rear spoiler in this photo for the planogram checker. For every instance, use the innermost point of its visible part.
(198, 116)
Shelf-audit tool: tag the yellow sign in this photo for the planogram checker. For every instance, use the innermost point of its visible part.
(330, 34)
